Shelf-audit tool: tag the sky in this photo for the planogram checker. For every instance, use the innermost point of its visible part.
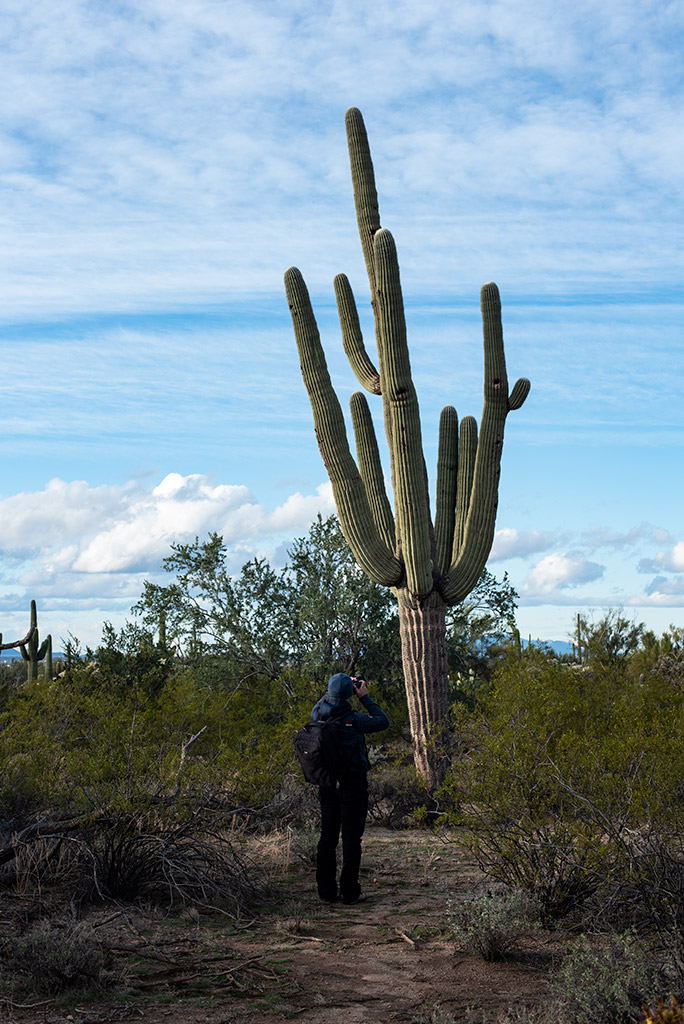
(163, 164)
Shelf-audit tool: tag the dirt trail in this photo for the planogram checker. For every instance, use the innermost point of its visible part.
(389, 959)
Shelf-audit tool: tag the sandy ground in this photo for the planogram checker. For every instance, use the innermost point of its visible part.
(389, 959)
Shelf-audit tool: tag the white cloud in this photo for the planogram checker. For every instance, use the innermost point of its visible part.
(661, 593)
(512, 543)
(602, 537)
(142, 157)
(83, 542)
(559, 571)
(668, 560)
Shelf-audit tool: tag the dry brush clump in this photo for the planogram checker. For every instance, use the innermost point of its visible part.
(135, 857)
(491, 924)
(53, 958)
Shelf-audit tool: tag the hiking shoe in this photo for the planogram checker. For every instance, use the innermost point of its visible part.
(361, 898)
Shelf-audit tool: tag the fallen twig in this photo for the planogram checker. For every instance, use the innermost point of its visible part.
(24, 1006)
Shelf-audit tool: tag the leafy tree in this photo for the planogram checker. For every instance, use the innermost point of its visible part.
(342, 621)
(316, 616)
(610, 638)
(479, 628)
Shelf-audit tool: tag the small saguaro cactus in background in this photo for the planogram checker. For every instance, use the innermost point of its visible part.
(34, 652)
(428, 564)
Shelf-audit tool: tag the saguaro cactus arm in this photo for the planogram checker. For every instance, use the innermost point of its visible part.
(352, 338)
(358, 525)
(365, 192)
(368, 457)
(467, 451)
(447, 476)
(479, 528)
(32, 652)
(399, 396)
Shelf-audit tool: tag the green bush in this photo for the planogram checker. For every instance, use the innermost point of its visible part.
(604, 981)
(490, 924)
(557, 763)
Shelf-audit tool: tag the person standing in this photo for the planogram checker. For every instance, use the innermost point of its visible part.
(345, 806)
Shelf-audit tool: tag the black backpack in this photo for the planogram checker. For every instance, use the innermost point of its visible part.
(319, 751)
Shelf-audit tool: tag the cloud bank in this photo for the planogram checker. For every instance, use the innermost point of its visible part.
(72, 545)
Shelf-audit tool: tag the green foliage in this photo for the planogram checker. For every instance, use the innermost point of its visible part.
(75, 744)
(489, 925)
(611, 638)
(131, 660)
(604, 980)
(547, 731)
(558, 766)
(318, 615)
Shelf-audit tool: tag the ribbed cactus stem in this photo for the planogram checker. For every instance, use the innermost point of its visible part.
(372, 554)
(447, 477)
(49, 670)
(424, 659)
(370, 467)
(365, 192)
(399, 395)
(33, 652)
(352, 338)
(428, 568)
(479, 528)
(467, 451)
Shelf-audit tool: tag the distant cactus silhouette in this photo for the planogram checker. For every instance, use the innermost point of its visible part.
(33, 652)
(428, 566)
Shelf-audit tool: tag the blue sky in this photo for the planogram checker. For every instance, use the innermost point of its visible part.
(162, 165)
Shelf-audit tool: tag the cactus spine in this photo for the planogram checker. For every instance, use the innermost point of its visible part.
(33, 652)
(428, 566)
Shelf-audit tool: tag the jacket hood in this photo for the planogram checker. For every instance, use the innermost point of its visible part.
(327, 704)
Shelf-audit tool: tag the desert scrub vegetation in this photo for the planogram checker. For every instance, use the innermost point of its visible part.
(138, 772)
(492, 923)
(55, 958)
(607, 980)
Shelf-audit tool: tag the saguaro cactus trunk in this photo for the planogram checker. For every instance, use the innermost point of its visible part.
(428, 565)
(33, 652)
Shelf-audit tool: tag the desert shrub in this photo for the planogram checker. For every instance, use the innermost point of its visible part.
(559, 865)
(645, 890)
(490, 924)
(557, 761)
(605, 980)
(55, 958)
(395, 792)
(72, 746)
(305, 842)
(545, 729)
(136, 858)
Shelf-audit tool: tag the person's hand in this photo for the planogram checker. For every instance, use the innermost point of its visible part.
(360, 687)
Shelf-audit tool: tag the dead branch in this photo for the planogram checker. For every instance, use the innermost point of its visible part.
(43, 830)
(24, 1006)
(9, 647)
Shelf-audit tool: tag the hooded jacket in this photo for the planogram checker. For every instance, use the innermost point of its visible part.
(353, 726)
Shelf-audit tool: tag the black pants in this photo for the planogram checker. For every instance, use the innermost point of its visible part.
(341, 808)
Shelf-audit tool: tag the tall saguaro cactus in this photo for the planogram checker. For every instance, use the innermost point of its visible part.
(429, 565)
(33, 651)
